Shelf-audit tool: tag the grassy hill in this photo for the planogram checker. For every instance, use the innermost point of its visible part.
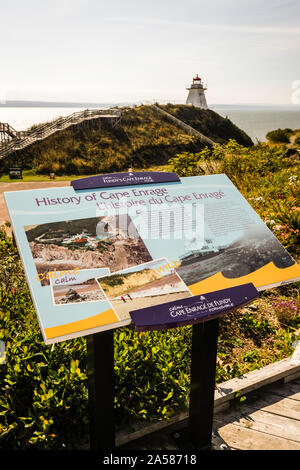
(210, 123)
(144, 138)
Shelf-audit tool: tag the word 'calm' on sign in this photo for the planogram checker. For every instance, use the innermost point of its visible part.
(54, 274)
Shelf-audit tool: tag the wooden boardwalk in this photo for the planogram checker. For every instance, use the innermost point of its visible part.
(268, 419)
(12, 140)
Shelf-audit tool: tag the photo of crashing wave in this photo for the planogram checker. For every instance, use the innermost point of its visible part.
(256, 248)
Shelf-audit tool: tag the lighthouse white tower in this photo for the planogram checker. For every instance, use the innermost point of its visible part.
(196, 96)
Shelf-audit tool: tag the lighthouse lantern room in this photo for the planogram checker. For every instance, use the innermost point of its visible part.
(196, 96)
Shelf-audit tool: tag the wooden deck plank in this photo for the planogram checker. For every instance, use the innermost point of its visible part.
(289, 390)
(242, 438)
(277, 405)
(262, 421)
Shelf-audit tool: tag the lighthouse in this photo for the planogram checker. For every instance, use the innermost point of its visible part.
(196, 96)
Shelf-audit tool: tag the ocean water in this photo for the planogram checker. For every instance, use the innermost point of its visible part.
(256, 121)
(22, 118)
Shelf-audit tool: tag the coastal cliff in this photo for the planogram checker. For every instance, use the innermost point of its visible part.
(50, 256)
(118, 285)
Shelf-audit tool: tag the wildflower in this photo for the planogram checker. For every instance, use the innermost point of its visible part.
(293, 178)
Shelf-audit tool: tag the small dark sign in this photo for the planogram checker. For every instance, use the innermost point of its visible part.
(191, 310)
(124, 179)
(15, 173)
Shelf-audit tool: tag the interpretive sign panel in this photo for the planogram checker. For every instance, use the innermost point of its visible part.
(94, 255)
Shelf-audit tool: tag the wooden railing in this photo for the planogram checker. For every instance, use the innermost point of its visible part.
(6, 131)
(12, 140)
(184, 126)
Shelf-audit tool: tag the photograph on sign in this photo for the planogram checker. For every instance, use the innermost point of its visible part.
(79, 287)
(145, 285)
(244, 254)
(110, 241)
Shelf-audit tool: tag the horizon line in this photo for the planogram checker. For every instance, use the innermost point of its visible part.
(80, 104)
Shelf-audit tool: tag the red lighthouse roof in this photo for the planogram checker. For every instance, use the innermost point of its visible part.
(197, 78)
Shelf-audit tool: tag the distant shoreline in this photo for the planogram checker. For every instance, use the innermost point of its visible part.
(73, 104)
(56, 104)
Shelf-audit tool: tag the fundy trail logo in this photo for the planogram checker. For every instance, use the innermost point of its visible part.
(200, 307)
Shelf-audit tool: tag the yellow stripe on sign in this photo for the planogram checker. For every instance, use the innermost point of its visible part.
(268, 274)
(101, 319)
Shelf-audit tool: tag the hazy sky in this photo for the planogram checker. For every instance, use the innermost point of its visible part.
(131, 50)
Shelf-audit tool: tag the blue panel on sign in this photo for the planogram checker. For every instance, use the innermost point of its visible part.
(191, 310)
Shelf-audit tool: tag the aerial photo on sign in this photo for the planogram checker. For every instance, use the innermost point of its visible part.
(110, 241)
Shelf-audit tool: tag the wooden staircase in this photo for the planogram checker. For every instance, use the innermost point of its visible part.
(12, 140)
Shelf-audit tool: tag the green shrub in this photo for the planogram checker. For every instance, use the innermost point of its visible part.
(152, 372)
(255, 328)
(187, 164)
(243, 165)
(251, 356)
(280, 135)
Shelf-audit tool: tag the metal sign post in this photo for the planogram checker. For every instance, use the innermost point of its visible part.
(203, 372)
(100, 354)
